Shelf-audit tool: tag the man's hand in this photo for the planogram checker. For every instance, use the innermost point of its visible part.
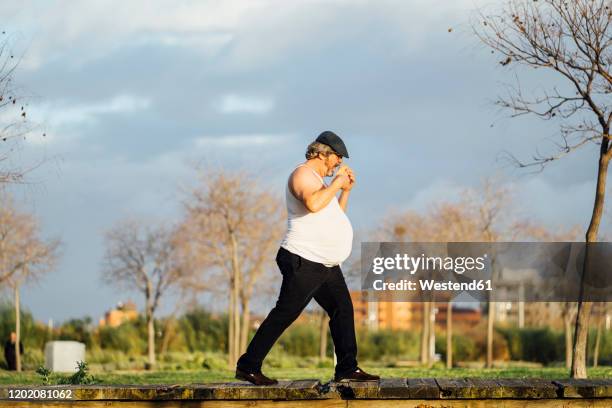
(347, 177)
(342, 181)
(344, 169)
(352, 180)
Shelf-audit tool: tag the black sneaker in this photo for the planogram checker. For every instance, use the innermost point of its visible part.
(357, 375)
(254, 378)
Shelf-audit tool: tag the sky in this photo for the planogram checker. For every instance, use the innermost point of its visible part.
(134, 97)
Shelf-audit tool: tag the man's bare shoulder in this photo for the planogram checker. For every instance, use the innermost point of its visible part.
(303, 182)
(304, 175)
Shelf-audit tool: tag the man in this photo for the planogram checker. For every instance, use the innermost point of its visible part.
(318, 239)
(10, 351)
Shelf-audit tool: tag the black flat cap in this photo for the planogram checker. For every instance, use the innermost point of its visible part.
(332, 140)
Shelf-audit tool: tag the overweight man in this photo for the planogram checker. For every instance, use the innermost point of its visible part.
(318, 239)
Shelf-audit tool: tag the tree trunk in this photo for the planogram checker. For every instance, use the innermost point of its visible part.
(597, 340)
(150, 325)
(584, 308)
(431, 344)
(490, 322)
(449, 335)
(237, 331)
(231, 354)
(246, 322)
(151, 338)
(17, 329)
(580, 340)
(235, 318)
(322, 335)
(567, 320)
(425, 335)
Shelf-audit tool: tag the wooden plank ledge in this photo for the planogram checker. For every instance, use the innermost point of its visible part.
(402, 392)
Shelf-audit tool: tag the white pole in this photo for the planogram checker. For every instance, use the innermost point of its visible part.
(335, 357)
(521, 306)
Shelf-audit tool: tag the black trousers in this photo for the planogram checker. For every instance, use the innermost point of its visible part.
(10, 354)
(303, 280)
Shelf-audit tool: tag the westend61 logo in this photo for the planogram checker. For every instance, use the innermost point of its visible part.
(423, 263)
(413, 264)
(485, 271)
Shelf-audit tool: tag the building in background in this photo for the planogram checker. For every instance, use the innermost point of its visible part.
(123, 312)
(405, 315)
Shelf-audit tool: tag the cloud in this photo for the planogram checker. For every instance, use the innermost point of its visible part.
(257, 32)
(245, 104)
(209, 43)
(60, 115)
(61, 118)
(440, 190)
(247, 140)
(55, 30)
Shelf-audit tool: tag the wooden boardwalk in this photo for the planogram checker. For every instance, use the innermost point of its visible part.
(389, 392)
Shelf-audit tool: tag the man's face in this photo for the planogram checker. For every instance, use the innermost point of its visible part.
(332, 162)
(13, 337)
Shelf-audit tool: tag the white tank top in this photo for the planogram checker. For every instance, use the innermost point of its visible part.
(325, 236)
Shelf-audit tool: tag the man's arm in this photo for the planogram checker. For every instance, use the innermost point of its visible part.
(347, 190)
(308, 189)
(344, 199)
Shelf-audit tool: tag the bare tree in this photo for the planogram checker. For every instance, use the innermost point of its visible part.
(568, 311)
(146, 259)
(24, 256)
(187, 288)
(10, 222)
(237, 226)
(14, 124)
(481, 215)
(571, 40)
(490, 206)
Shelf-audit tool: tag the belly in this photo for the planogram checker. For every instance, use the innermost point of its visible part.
(325, 236)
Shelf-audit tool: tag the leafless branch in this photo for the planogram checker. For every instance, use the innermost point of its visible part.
(24, 255)
(569, 38)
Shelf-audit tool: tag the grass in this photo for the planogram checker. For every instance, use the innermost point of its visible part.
(323, 374)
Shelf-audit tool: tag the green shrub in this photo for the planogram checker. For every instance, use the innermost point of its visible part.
(33, 335)
(81, 376)
(278, 358)
(380, 344)
(300, 340)
(534, 344)
(110, 360)
(77, 330)
(105, 356)
(605, 346)
(214, 361)
(177, 360)
(464, 348)
(203, 332)
(126, 337)
(478, 334)
(32, 358)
